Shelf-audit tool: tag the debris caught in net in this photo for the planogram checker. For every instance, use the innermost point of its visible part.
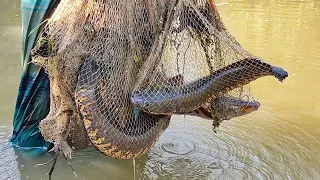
(119, 69)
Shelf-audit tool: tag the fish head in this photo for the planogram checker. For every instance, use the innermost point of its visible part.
(228, 107)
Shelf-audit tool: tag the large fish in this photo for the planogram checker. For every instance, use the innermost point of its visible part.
(187, 97)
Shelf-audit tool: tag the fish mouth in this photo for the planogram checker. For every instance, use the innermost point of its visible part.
(249, 106)
(279, 73)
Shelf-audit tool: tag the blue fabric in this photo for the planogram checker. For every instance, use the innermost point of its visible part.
(136, 113)
(33, 96)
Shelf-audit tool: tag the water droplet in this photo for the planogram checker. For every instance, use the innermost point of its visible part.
(179, 147)
(214, 165)
(134, 168)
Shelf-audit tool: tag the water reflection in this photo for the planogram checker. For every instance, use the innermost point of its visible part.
(280, 141)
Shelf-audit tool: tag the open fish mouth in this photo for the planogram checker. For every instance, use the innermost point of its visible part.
(227, 107)
(248, 106)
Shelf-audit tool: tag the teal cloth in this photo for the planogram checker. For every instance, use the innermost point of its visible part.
(33, 96)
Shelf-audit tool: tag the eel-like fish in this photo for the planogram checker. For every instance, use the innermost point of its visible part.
(187, 97)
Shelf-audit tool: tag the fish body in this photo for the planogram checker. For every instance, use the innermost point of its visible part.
(187, 97)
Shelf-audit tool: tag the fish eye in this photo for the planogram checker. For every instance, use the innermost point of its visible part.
(146, 104)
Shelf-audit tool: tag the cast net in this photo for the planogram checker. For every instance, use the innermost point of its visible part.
(119, 69)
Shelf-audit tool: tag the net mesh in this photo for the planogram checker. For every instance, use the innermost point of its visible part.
(119, 69)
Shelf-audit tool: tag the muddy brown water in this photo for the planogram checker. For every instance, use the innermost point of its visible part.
(280, 141)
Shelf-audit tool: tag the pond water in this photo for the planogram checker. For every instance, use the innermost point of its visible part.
(279, 141)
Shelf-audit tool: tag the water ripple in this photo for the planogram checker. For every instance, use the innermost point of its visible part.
(190, 150)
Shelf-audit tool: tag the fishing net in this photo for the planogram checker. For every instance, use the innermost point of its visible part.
(119, 69)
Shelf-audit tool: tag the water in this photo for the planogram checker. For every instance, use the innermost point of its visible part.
(280, 141)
